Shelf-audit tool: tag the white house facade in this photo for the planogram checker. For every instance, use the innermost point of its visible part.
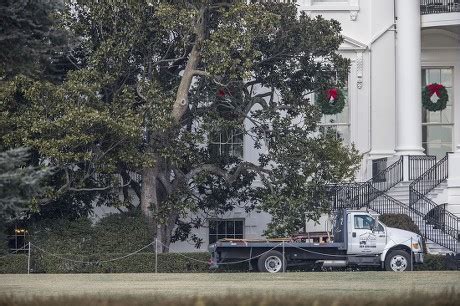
(411, 156)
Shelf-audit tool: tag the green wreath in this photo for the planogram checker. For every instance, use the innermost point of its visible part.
(331, 101)
(440, 91)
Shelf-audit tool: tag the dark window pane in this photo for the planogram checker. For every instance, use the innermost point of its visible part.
(212, 238)
(221, 228)
(230, 227)
(239, 227)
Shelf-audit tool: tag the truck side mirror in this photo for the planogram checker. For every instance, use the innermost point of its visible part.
(375, 227)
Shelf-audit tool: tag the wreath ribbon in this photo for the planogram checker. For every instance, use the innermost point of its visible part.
(435, 89)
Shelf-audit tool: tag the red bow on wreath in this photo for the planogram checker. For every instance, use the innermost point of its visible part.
(331, 93)
(221, 93)
(434, 89)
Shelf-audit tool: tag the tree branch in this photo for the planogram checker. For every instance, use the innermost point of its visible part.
(229, 178)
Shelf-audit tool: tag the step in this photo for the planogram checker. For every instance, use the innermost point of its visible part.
(436, 249)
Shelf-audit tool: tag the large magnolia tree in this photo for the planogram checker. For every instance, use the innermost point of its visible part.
(165, 89)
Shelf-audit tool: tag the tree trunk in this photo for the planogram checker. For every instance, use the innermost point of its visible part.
(167, 230)
(149, 201)
(181, 103)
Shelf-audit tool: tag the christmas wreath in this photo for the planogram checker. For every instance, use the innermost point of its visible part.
(434, 89)
(331, 101)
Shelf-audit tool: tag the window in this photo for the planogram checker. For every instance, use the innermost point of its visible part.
(364, 222)
(228, 142)
(378, 165)
(437, 127)
(340, 122)
(225, 228)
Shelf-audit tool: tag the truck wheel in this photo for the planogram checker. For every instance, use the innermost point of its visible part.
(272, 262)
(398, 261)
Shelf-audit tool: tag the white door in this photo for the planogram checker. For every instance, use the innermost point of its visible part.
(362, 240)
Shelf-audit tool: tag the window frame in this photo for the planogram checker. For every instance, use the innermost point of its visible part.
(230, 144)
(227, 235)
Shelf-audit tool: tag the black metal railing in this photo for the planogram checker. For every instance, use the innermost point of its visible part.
(389, 177)
(348, 195)
(385, 204)
(440, 225)
(360, 194)
(431, 178)
(419, 164)
(439, 6)
(434, 222)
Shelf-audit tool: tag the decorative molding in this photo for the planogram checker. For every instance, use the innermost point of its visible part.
(353, 15)
(359, 70)
(351, 5)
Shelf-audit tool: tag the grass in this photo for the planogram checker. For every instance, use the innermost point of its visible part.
(338, 288)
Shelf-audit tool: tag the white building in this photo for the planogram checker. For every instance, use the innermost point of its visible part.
(396, 47)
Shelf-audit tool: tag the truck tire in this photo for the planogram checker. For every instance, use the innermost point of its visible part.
(398, 261)
(272, 262)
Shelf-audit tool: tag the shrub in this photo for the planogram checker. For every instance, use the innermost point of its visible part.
(400, 221)
(403, 222)
(12, 264)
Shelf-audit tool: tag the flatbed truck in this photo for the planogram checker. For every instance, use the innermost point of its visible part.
(358, 239)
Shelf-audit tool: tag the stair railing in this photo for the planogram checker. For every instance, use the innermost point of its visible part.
(360, 194)
(434, 221)
(389, 177)
(429, 180)
(419, 164)
(440, 226)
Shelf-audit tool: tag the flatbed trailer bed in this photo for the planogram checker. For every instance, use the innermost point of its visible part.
(227, 251)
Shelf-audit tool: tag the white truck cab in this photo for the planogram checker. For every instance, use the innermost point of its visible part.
(368, 236)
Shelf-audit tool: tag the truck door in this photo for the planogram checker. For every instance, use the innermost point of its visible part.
(361, 238)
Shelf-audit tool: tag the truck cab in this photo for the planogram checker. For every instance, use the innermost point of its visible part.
(367, 236)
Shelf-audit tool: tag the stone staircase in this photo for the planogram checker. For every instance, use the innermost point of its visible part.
(400, 193)
(388, 191)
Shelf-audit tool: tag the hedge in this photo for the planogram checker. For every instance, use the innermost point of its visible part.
(13, 264)
(111, 237)
(400, 221)
(137, 263)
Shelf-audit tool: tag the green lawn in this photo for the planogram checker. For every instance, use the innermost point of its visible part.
(346, 284)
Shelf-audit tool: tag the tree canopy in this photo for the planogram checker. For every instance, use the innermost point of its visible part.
(164, 94)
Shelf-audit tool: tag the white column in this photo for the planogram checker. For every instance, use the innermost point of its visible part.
(408, 78)
(453, 183)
